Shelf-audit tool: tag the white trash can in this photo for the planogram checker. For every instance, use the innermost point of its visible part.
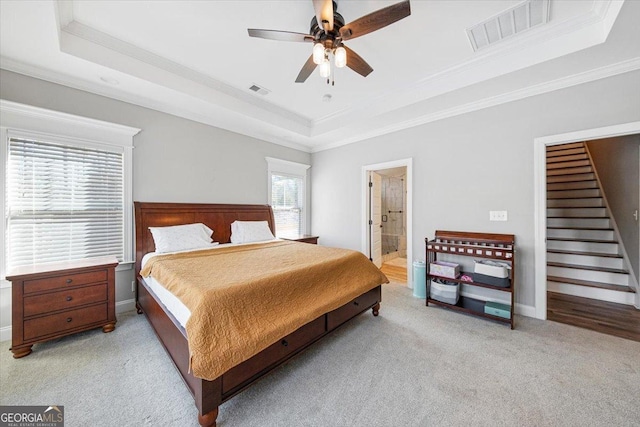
(419, 279)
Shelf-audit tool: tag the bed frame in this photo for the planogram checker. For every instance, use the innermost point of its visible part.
(208, 395)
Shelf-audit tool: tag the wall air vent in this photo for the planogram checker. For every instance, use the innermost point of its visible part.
(259, 89)
(515, 20)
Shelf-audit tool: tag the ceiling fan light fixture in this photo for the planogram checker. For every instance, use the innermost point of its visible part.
(325, 68)
(340, 57)
(318, 53)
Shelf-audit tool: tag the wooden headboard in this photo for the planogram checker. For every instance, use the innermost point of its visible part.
(218, 217)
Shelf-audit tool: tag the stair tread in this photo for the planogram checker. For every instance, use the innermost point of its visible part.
(574, 207)
(569, 197)
(584, 197)
(610, 286)
(600, 254)
(587, 267)
(572, 239)
(579, 228)
(579, 217)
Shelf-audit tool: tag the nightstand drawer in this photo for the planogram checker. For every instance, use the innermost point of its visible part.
(61, 300)
(67, 320)
(50, 283)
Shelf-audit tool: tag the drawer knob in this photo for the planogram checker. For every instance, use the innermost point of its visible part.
(69, 280)
(69, 298)
(356, 303)
(285, 343)
(69, 319)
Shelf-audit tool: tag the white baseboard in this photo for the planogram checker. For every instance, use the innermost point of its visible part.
(126, 305)
(593, 293)
(525, 310)
(5, 333)
(121, 307)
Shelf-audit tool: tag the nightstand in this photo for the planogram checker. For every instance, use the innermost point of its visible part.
(57, 299)
(304, 238)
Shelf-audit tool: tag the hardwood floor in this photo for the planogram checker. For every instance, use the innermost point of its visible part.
(394, 273)
(609, 318)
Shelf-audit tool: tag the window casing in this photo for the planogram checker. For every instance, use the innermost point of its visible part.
(288, 196)
(84, 190)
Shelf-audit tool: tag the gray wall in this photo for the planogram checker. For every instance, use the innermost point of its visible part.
(175, 159)
(617, 162)
(465, 166)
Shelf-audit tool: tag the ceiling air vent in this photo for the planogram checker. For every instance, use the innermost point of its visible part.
(519, 18)
(259, 89)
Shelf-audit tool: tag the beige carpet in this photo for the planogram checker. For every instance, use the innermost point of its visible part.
(411, 366)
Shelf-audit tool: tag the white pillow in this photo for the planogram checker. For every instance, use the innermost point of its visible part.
(250, 231)
(181, 237)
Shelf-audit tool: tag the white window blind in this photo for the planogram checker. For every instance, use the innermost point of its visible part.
(63, 202)
(287, 201)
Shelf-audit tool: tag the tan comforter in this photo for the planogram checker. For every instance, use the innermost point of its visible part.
(244, 298)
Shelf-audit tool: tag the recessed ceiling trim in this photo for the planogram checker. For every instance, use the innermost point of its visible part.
(539, 89)
(219, 117)
(483, 64)
(104, 40)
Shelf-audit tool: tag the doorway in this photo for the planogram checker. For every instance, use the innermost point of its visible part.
(387, 218)
(540, 167)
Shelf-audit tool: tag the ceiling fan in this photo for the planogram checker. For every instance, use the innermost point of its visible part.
(328, 32)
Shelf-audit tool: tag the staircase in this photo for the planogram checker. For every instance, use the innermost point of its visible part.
(583, 251)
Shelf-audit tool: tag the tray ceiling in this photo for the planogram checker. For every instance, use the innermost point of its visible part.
(195, 59)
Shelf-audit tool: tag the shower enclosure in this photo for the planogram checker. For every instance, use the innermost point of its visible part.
(394, 214)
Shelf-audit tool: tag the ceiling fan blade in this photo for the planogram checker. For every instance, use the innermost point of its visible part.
(285, 36)
(324, 14)
(356, 63)
(375, 20)
(306, 71)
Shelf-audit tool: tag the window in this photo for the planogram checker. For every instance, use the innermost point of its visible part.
(67, 186)
(64, 202)
(288, 196)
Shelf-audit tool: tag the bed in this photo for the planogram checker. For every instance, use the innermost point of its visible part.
(210, 393)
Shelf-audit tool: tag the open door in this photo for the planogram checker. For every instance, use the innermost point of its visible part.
(375, 219)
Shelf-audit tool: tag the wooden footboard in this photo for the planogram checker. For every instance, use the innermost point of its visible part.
(208, 395)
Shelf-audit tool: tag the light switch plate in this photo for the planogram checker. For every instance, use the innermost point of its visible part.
(497, 215)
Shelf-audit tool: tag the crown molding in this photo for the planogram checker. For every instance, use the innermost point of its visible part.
(539, 89)
(246, 127)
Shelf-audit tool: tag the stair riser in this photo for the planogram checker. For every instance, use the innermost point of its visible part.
(580, 234)
(579, 222)
(579, 185)
(566, 153)
(567, 158)
(594, 276)
(604, 248)
(586, 260)
(569, 178)
(569, 164)
(585, 203)
(569, 171)
(577, 212)
(593, 293)
(560, 148)
(574, 194)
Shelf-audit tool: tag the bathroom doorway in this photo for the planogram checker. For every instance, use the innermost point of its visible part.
(388, 218)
